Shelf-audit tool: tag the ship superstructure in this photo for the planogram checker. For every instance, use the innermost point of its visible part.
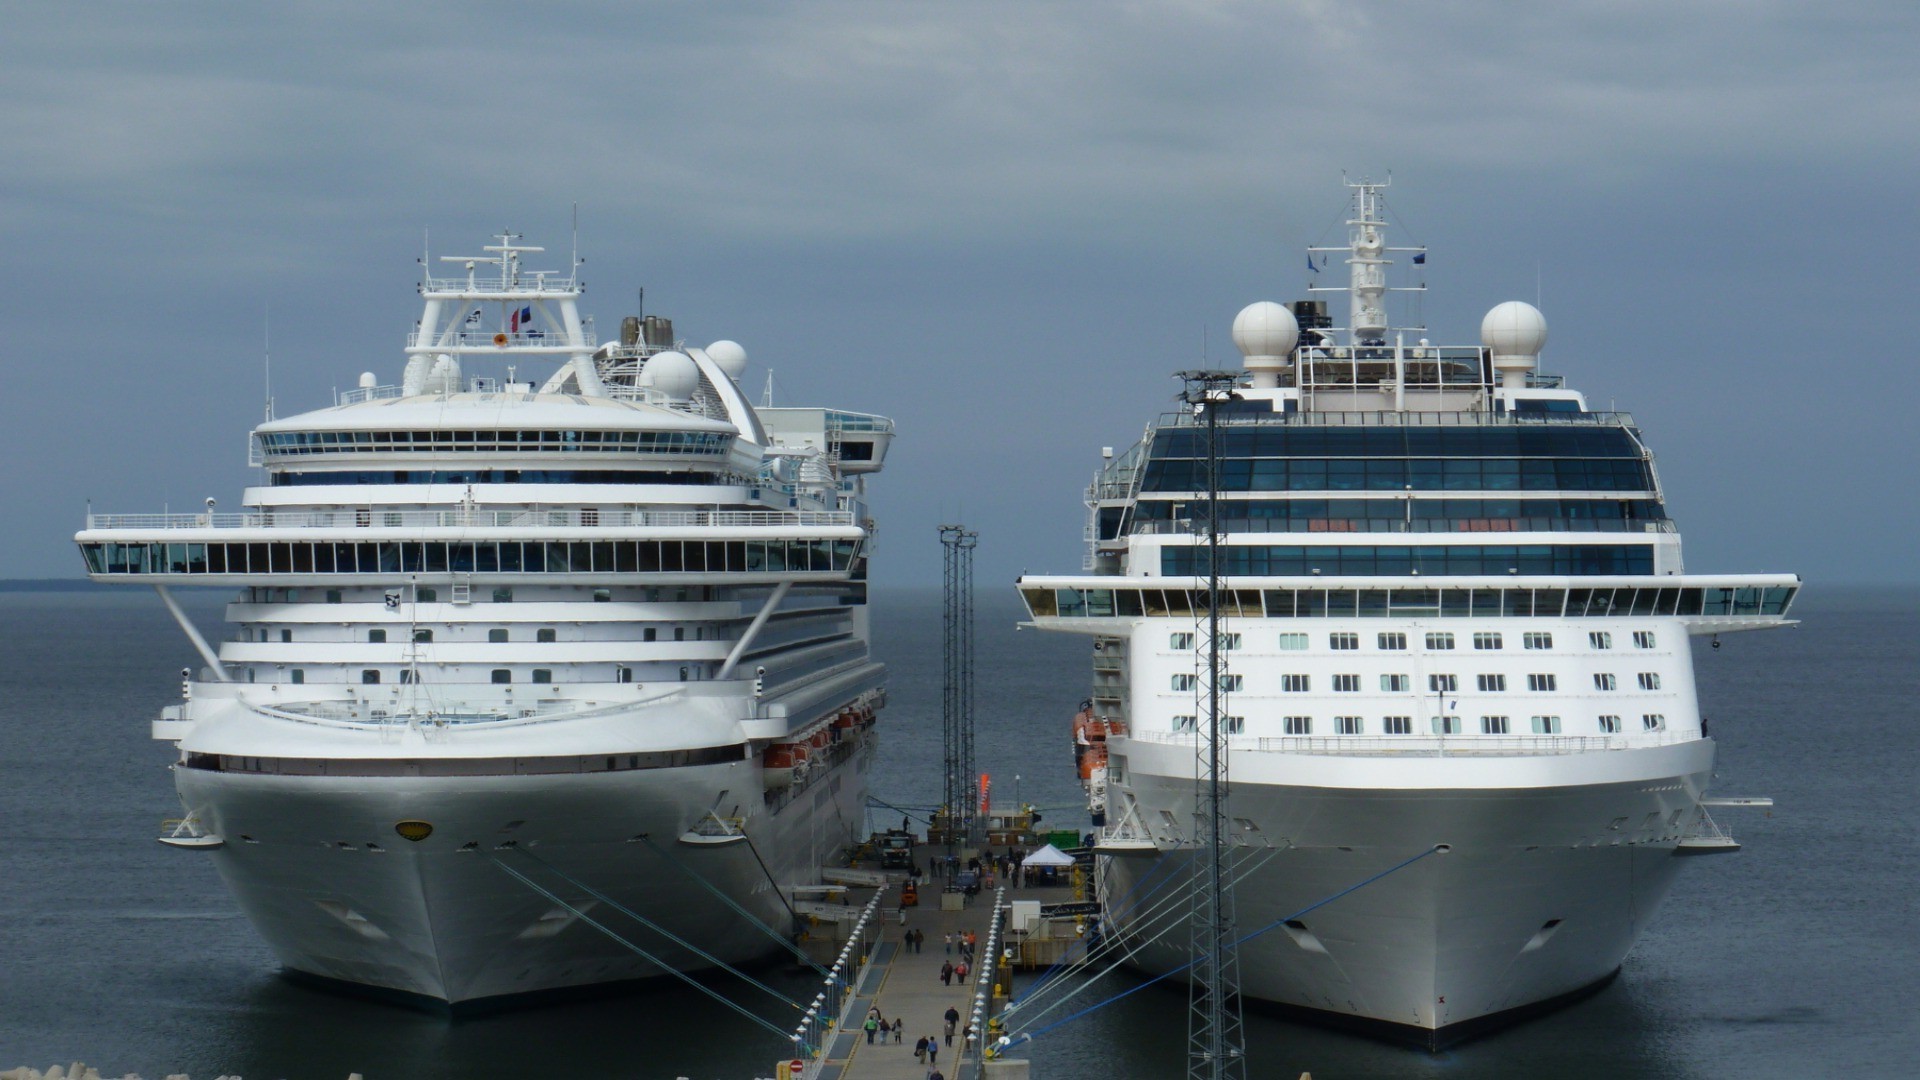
(1456, 621)
(511, 650)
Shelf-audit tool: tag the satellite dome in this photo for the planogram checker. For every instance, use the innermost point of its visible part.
(1265, 333)
(730, 356)
(1514, 328)
(1513, 333)
(673, 374)
(1265, 329)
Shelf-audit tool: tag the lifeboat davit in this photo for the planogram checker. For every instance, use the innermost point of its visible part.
(782, 762)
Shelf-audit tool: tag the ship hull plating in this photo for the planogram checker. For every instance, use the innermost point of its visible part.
(319, 869)
(1529, 896)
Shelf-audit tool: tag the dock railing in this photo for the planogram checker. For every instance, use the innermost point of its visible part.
(827, 1011)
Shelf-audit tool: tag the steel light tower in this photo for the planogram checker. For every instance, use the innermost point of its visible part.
(1216, 1045)
(956, 696)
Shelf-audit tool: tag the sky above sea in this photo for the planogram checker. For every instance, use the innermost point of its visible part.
(1002, 224)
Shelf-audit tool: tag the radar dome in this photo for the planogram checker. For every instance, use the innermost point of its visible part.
(730, 356)
(1514, 333)
(1265, 333)
(673, 374)
(1514, 328)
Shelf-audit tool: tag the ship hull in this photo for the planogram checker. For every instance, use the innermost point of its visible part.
(318, 867)
(1529, 893)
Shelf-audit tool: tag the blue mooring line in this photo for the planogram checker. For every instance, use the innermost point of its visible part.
(1016, 1040)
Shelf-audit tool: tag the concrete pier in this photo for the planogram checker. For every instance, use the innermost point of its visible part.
(906, 985)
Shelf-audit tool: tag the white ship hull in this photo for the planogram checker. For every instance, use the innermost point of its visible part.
(317, 866)
(1550, 869)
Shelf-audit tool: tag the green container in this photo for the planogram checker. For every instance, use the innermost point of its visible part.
(1064, 839)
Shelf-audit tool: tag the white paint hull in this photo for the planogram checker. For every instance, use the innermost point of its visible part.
(1546, 880)
(449, 925)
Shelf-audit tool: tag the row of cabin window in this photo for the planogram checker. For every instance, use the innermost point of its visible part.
(497, 676)
(1440, 725)
(1410, 603)
(1250, 560)
(533, 557)
(1451, 474)
(280, 443)
(497, 635)
(1538, 683)
(1503, 440)
(1396, 641)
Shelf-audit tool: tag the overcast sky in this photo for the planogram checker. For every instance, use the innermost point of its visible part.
(1003, 225)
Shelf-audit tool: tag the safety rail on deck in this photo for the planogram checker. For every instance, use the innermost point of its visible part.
(1393, 418)
(1431, 745)
(533, 283)
(489, 340)
(474, 518)
(1417, 525)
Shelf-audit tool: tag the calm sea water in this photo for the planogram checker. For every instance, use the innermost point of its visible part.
(1794, 958)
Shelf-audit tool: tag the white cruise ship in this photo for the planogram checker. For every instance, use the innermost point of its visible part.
(552, 676)
(1455, 622)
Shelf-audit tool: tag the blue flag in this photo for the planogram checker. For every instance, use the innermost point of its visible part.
(1310, 265)
(1420, 259)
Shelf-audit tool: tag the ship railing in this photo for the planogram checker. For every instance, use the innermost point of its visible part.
(1182, 526)
(1427, 745)
(370, 393)
(482, 340)
(475, 518)
(1393, 418)
(531, 283)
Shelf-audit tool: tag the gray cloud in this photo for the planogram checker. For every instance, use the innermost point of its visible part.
(1001, 223)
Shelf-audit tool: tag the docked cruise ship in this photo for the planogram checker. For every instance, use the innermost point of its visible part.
(1455, 639)
(542, 677)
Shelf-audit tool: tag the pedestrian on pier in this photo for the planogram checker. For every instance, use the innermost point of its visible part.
(920, 1050)
(960, 972)
(933, 1050)
(873, 1028)
(899, 1032)
(948, 938)
(946, 974)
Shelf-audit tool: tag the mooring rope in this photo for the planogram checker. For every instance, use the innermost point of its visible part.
(1007, 1042)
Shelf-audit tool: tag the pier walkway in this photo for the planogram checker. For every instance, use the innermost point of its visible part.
(906, 985)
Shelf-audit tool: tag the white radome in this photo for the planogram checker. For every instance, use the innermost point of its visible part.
(1265, 331)
(730, 356)
(673, 374)
(1515, 328)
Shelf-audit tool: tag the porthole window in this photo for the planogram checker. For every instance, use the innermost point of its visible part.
(1600, 639)
(1396, 684)
(1392, 641)
(1346, 684)
(1546, 725)
(370, 677)
(1487, 641)
(1643, 639)
(1446, 725)
(1180, 642)
(1603, 681)
(497, 635)
(1610, 724)
(377, 637)
(1397, 725)
(1343, 642)
(1443, 684)
(1347, 725)
(1493, 725)
(542, 675)
(1439, 640)
(1536, 639)
(1293, 642)
(1491, 684)
(1543, 683)
(501, 676)
(1649, 680)
(1298, 725)
(545, 633)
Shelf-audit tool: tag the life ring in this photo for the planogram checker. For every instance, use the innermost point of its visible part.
(500, 340)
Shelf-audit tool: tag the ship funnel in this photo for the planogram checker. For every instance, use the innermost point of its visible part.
(1265, 333)
(1514, 333)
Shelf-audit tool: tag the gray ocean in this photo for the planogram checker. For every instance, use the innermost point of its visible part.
(1796, 957)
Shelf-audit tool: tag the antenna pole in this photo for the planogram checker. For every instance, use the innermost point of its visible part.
(266, 351)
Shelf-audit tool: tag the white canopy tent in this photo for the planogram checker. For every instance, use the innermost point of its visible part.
(1048, 856)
